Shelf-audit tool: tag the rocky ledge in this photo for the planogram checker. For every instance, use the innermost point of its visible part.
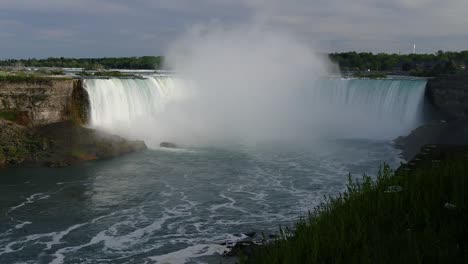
(436, 133)
(58, 145)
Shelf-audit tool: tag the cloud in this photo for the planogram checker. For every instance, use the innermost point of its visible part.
(66, 6)
(375, 24)
(152, 25)
(56, 33)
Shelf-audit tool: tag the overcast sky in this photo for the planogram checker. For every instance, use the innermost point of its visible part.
(99, 28)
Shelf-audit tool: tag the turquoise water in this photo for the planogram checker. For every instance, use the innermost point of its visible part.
(171, 206)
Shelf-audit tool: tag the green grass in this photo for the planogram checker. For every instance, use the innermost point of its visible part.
(9, 115)
(20, 77)
(371, 224)
(78, 153)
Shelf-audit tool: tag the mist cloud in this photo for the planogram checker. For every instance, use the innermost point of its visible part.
(244, 84)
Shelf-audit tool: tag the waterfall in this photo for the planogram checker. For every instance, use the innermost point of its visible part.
(380, 108)
(119, 102)
(157, 109)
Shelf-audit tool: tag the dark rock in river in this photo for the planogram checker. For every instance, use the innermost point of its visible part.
(243, 248)
(167, 145)
(251, 234)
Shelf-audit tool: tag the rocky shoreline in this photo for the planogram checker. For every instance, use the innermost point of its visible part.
(435, 133)
(58, 145)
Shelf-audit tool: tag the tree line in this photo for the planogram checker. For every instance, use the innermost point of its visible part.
(414, 64)
(134, 63)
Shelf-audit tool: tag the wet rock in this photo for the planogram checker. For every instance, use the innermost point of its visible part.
(242, 248)
(424, 137)
(449, 206)
(57, 164)
(394, 189)
(270, 236)
(251, 234)
(167, 145)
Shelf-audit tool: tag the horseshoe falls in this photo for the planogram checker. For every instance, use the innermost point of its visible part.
(147, 108)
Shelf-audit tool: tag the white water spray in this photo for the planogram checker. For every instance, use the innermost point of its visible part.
(162, 108)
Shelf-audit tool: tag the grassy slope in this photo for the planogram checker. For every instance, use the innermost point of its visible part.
(372, 224)
(21, 77)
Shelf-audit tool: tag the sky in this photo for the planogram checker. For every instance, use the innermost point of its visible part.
(114, 28)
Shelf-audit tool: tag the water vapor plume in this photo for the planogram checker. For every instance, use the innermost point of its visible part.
(245, 83)
(248, 84)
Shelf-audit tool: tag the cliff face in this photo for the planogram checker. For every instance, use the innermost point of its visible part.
(39, 102)
(449, 95)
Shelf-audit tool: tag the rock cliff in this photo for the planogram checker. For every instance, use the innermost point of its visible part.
(449, 95)
(43, 101)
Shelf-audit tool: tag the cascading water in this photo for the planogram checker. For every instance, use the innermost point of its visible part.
(118, 104)
(350, 108)
(121, 101)
(367, 108)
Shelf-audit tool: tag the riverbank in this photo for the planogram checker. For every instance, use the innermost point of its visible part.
(416, 214)
(58, 145)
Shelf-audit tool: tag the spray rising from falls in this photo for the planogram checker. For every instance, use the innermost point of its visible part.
(158, 109)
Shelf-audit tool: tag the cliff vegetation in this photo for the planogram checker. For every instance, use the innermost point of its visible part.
(417, 214)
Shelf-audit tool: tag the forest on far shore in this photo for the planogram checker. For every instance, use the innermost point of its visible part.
(132, 63)
(441, 62)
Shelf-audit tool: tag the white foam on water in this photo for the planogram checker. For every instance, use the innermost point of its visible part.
(178, 150)
(23, 224)
(229, 205)
(191, 252)
(111, 240)
(116, 242)
(58, 236)
(54, 238)
(31, 199)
